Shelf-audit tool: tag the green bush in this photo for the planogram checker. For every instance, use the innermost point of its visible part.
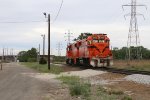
(75, 89)
(42, 61)
(76, 86)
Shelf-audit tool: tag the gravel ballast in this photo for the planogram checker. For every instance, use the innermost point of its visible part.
(138, 78)
(83, 73)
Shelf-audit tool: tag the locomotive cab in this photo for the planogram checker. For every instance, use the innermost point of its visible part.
(102, 55)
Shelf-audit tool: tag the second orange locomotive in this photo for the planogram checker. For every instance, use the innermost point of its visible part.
(91, 51)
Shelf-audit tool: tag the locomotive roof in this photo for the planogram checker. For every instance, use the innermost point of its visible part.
(86, 38)
(99, 34)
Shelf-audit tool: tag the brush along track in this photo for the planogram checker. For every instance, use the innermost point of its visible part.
(124, 71)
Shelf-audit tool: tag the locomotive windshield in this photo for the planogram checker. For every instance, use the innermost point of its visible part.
(100, 39)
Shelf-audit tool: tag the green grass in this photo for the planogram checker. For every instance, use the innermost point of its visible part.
(76, 87)
(81, 88)
(139, 68)
(43, 68)
(141, 65)
(69, 80)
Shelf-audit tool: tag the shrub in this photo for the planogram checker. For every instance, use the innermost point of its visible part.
(80, 89)
(42, 61)
(76, 86)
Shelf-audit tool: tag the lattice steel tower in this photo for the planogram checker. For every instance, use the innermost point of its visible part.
(59, 45)
(133, 43)
(68, 36)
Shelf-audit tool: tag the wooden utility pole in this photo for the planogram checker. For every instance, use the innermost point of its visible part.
(49, 41)
(43, 36)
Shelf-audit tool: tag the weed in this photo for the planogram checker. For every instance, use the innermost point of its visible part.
(76, 87)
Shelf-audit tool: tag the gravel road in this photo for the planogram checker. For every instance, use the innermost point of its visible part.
(15, 85)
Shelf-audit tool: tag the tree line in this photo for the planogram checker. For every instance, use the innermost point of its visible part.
(32, 54)
(144, 53)
(28, 56)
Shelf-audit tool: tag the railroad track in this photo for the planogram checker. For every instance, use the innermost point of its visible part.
(124, 71)
(113, 70)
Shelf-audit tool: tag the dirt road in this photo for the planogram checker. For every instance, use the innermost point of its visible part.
(15, 85)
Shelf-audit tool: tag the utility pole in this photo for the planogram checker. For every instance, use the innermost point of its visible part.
(38, 53)
(12, 52)
(37, 57)
(39, 50)
(3, 55)
(133, 35)
(43, 35)
(48, 39)
(7, 52)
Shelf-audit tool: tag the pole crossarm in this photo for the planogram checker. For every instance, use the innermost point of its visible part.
(130, 5)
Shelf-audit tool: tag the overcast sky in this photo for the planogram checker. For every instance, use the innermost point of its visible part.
(78, 16)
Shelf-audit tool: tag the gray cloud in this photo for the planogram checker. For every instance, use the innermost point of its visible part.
(104, 16)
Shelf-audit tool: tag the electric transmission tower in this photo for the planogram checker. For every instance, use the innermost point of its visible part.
(69, 35)
(133, 42)
(59, 45)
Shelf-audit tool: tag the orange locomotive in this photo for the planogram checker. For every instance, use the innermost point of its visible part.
(93, 51)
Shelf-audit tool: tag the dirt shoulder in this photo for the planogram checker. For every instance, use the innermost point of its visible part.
(18, 83)
(113, 81)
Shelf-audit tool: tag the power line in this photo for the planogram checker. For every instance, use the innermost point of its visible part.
(58, 11)
(36, 21)
(21, 21)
